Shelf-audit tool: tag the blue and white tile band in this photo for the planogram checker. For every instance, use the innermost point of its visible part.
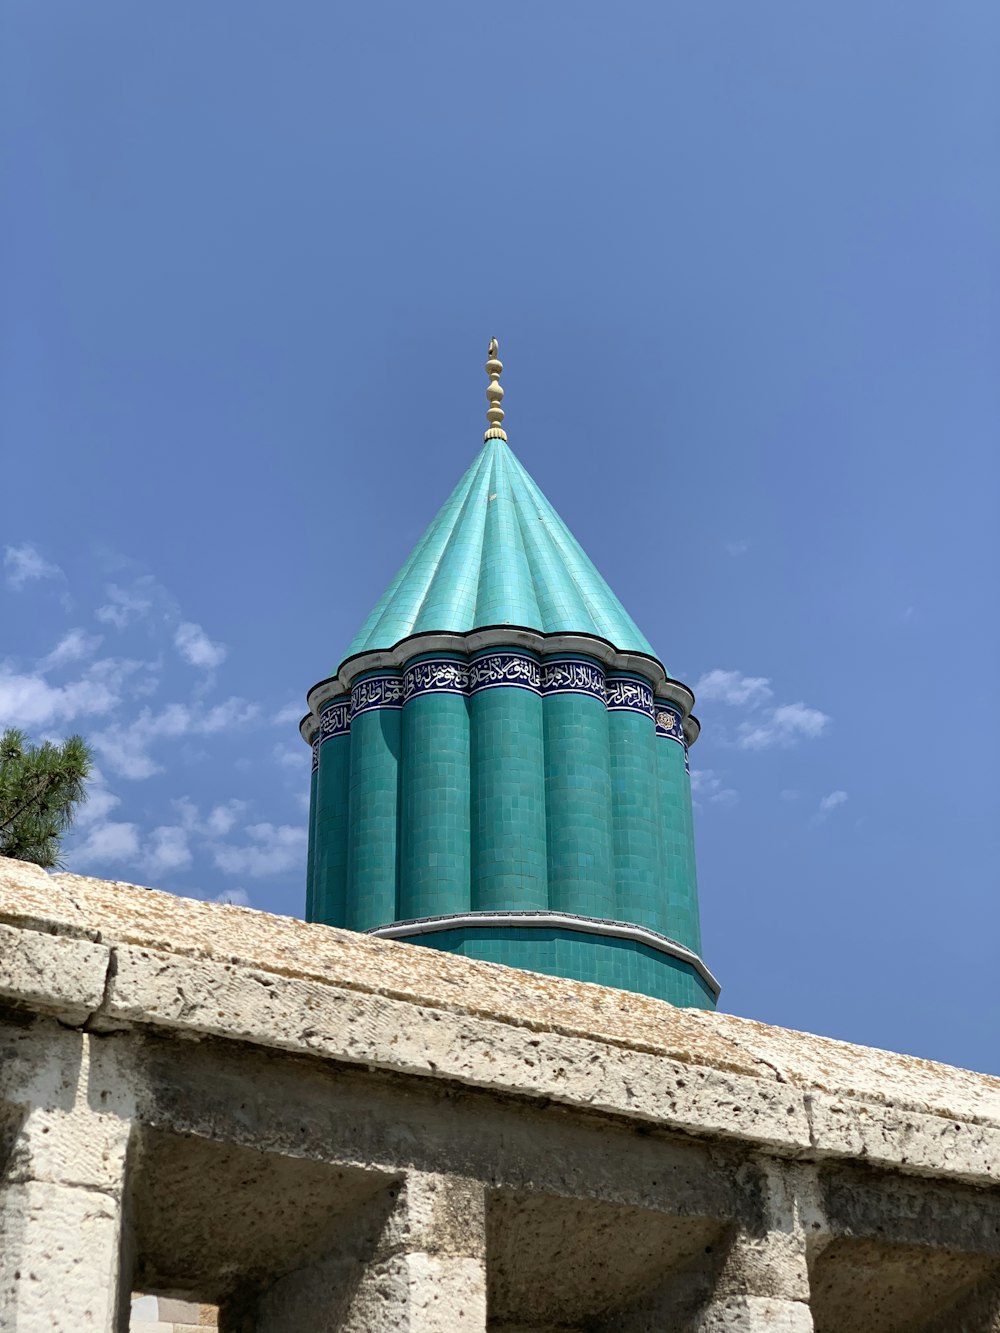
(336, 720)
(628, 694)
(435, 676)
(493, 670)
(447, 675)
(568, 675)
(668, 723)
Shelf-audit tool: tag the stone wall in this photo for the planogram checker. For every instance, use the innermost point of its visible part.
(311, 1129)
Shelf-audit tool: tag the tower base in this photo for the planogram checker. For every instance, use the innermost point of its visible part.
(609, 953)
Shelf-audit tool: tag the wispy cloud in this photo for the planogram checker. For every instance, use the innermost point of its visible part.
(125, 604)
(831, 802)
(291, 756)
(290, 713)
(166, 850)
(74, 646)
(106, 844)
(126, 747)
(197, 648)
(99, 803)
(733, 688)
(737, 547)
(270, 850)
(24, 565)
(29, 700)
(233, 898)
(782, 726)
(827, 805)
(764, 725)
(707, 785)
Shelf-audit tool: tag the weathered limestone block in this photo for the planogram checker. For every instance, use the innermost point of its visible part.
(977, 1312)
(67, 1112)
(415, 1263)
(757, 1279)
(217, 998)
(52, 973)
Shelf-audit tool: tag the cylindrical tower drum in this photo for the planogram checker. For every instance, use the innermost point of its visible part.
(635, 823)
(682, 923)
(434, 848)
(507, 765)
(373, 800)
(330, 859)
(577, 787)
(311, 853)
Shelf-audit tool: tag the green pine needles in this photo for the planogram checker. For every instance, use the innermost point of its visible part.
(40, 788)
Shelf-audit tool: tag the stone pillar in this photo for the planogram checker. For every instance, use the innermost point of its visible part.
(416, 1263)
(67, 1109)
(763, 1285)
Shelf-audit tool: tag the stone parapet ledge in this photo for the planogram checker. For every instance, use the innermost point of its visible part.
(105, 956)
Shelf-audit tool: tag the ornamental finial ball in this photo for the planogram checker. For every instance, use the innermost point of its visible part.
(494, 393)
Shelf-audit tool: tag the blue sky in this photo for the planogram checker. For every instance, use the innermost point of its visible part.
(742, 261)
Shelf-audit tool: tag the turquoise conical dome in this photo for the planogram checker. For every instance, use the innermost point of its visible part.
(500, 759)
(497, 553)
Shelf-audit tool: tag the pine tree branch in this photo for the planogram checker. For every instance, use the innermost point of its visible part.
(47, 780)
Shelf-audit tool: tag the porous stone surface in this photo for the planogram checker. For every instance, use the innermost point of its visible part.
(316, 1129)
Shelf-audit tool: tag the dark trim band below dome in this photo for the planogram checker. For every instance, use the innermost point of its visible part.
(545, 646)
(539, 920)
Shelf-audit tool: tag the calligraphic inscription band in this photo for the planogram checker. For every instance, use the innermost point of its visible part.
(315, 755)
(627, 693)
(567, 675)
(336, 720)
(377, 692)
(435, 676)
(495, 669)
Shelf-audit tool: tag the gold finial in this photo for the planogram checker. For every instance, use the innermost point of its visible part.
(494, 393)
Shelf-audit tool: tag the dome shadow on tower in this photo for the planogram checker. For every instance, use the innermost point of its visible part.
(500, 760)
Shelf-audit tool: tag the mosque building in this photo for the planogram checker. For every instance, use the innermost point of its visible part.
(500, 760)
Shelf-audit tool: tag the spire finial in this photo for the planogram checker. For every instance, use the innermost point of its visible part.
(494, 394)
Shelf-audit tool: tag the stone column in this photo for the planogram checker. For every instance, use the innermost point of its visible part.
(66, 1100)
(415, 1263)
(763, 1284)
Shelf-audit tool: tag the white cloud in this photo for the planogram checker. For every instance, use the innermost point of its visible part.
(167, 850)
(104, 845)
(707, 785)
(292, 712)
(26, 565)
(29, 701)
(124, 605)
(785, 725)
(233, 897)
(219, 821)
(197, 648)
(99, 803)
(731, 687)
(831, 802)
(272, 850)
(74, 645)
(125, 748)
(738, 547)
(291, 756)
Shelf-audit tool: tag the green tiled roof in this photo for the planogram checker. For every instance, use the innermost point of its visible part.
(498, 554)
